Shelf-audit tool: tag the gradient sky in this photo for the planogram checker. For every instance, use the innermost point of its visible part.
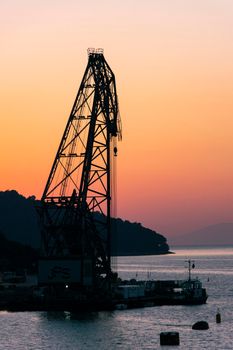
(173, 61)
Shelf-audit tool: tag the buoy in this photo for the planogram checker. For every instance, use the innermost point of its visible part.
(200, 325)
(218, 317)
(169, 338)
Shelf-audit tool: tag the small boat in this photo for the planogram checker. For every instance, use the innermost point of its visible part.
(176, 292)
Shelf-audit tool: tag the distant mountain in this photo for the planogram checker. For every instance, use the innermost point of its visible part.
(18, 222)
(218, 234)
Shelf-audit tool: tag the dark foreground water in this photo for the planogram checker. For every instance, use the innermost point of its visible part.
(139, 328)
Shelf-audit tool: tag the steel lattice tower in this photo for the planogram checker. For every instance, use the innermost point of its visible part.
(75, 207)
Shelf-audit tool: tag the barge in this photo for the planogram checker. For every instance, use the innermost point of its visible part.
(167, 292)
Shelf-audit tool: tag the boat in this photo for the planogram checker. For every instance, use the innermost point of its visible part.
(167, 292)
(161, 292)
(177, 292)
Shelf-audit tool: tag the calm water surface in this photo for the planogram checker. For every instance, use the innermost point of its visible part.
(139, 328)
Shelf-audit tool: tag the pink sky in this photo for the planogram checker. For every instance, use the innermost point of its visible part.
(173, 65)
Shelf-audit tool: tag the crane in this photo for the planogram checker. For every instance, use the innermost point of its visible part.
(75, 210)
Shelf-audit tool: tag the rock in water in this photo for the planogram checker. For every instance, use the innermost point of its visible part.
(200, 325)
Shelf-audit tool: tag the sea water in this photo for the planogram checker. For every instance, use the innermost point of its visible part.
(138, 328)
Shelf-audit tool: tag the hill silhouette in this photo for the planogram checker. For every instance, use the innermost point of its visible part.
(134, 239)
(18, 218)
(14, 255)
(18, 222)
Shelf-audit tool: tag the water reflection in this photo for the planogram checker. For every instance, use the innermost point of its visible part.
(76, 316)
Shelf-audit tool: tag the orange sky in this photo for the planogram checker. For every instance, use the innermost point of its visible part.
(173, 65)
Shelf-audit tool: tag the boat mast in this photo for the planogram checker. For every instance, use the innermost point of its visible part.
(191, 265)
